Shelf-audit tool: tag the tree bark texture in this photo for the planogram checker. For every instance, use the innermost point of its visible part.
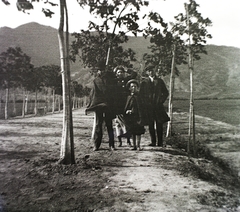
(171, 90)
(67, 146)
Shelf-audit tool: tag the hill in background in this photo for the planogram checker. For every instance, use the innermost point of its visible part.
(216, 75)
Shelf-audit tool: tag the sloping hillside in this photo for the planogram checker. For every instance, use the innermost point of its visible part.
(216, 75)
(41, 44)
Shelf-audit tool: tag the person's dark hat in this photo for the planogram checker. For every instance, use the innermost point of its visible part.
(150, 67)
(132, 81)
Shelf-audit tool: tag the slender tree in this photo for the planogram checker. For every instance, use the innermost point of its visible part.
(67, 143)
(193, 26)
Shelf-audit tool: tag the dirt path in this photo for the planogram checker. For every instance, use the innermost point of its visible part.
(155, 179)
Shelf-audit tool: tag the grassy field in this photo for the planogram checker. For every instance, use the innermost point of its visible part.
(225, 110)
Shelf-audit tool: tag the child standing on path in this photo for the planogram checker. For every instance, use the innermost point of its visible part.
(133, 114)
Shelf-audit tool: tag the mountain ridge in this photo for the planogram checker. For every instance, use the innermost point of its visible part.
(216, 75)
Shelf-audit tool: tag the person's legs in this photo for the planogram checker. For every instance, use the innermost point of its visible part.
(97, 130)
(109, 125)
(118, 129)
(128, 140)
(159, 127)
(152, 132)
(120, 141)
(138, 137)
(134, 142)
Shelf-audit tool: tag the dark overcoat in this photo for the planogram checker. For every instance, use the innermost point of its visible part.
(154, 94)
(134, 120)
(102, 96)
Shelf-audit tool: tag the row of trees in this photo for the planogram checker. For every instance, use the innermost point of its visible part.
(16, 71)
(181, 42)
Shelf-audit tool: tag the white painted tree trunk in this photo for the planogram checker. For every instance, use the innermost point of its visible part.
(67, 145)
(35, 103)
(171, 91)
(23, 106)
(53, 100)
(6, 103)
(26, 102)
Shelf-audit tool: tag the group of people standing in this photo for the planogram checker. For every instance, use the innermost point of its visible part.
(120, 99)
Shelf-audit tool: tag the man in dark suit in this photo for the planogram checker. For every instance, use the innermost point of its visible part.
(102, 104)
(154, 93)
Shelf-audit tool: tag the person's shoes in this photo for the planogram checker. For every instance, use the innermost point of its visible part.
(134, 148)
(120, 144)
(129, 144)
(139, 149)
(152, 144)
(95, 149)
(112, 148)
(161, 145)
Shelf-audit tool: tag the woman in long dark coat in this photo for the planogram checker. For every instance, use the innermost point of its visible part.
(133, 114)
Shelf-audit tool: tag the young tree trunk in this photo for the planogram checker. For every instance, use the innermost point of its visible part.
(35, 103)
(191, 130)
(171, 90)
(23, 106)
(59, 103)
(26, 102)
(46, 102)
(78, 102)
(6, 103)
(14, 104)
(53, 100)
(67, 145)
(74, 101)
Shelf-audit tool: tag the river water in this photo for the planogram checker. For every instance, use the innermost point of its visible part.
(224, 110)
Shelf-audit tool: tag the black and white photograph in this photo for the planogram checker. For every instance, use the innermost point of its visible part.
(119, 106)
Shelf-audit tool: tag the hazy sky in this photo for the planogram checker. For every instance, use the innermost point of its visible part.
(224, 14)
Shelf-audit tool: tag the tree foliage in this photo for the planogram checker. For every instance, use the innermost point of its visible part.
(163, 39)
(15, 66)
(196, 29)
(102, 42)
(52, 77)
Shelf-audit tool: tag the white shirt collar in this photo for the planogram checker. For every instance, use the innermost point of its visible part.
(151, 78)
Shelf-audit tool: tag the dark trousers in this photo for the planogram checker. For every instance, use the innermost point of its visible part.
(100, 117)
(159, 131)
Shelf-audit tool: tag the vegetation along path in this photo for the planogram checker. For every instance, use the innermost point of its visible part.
(155, 179)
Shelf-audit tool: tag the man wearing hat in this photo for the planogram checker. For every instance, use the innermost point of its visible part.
(102, 104)
(154, 93)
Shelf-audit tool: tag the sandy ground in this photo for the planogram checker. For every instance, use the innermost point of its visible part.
(155, 179)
